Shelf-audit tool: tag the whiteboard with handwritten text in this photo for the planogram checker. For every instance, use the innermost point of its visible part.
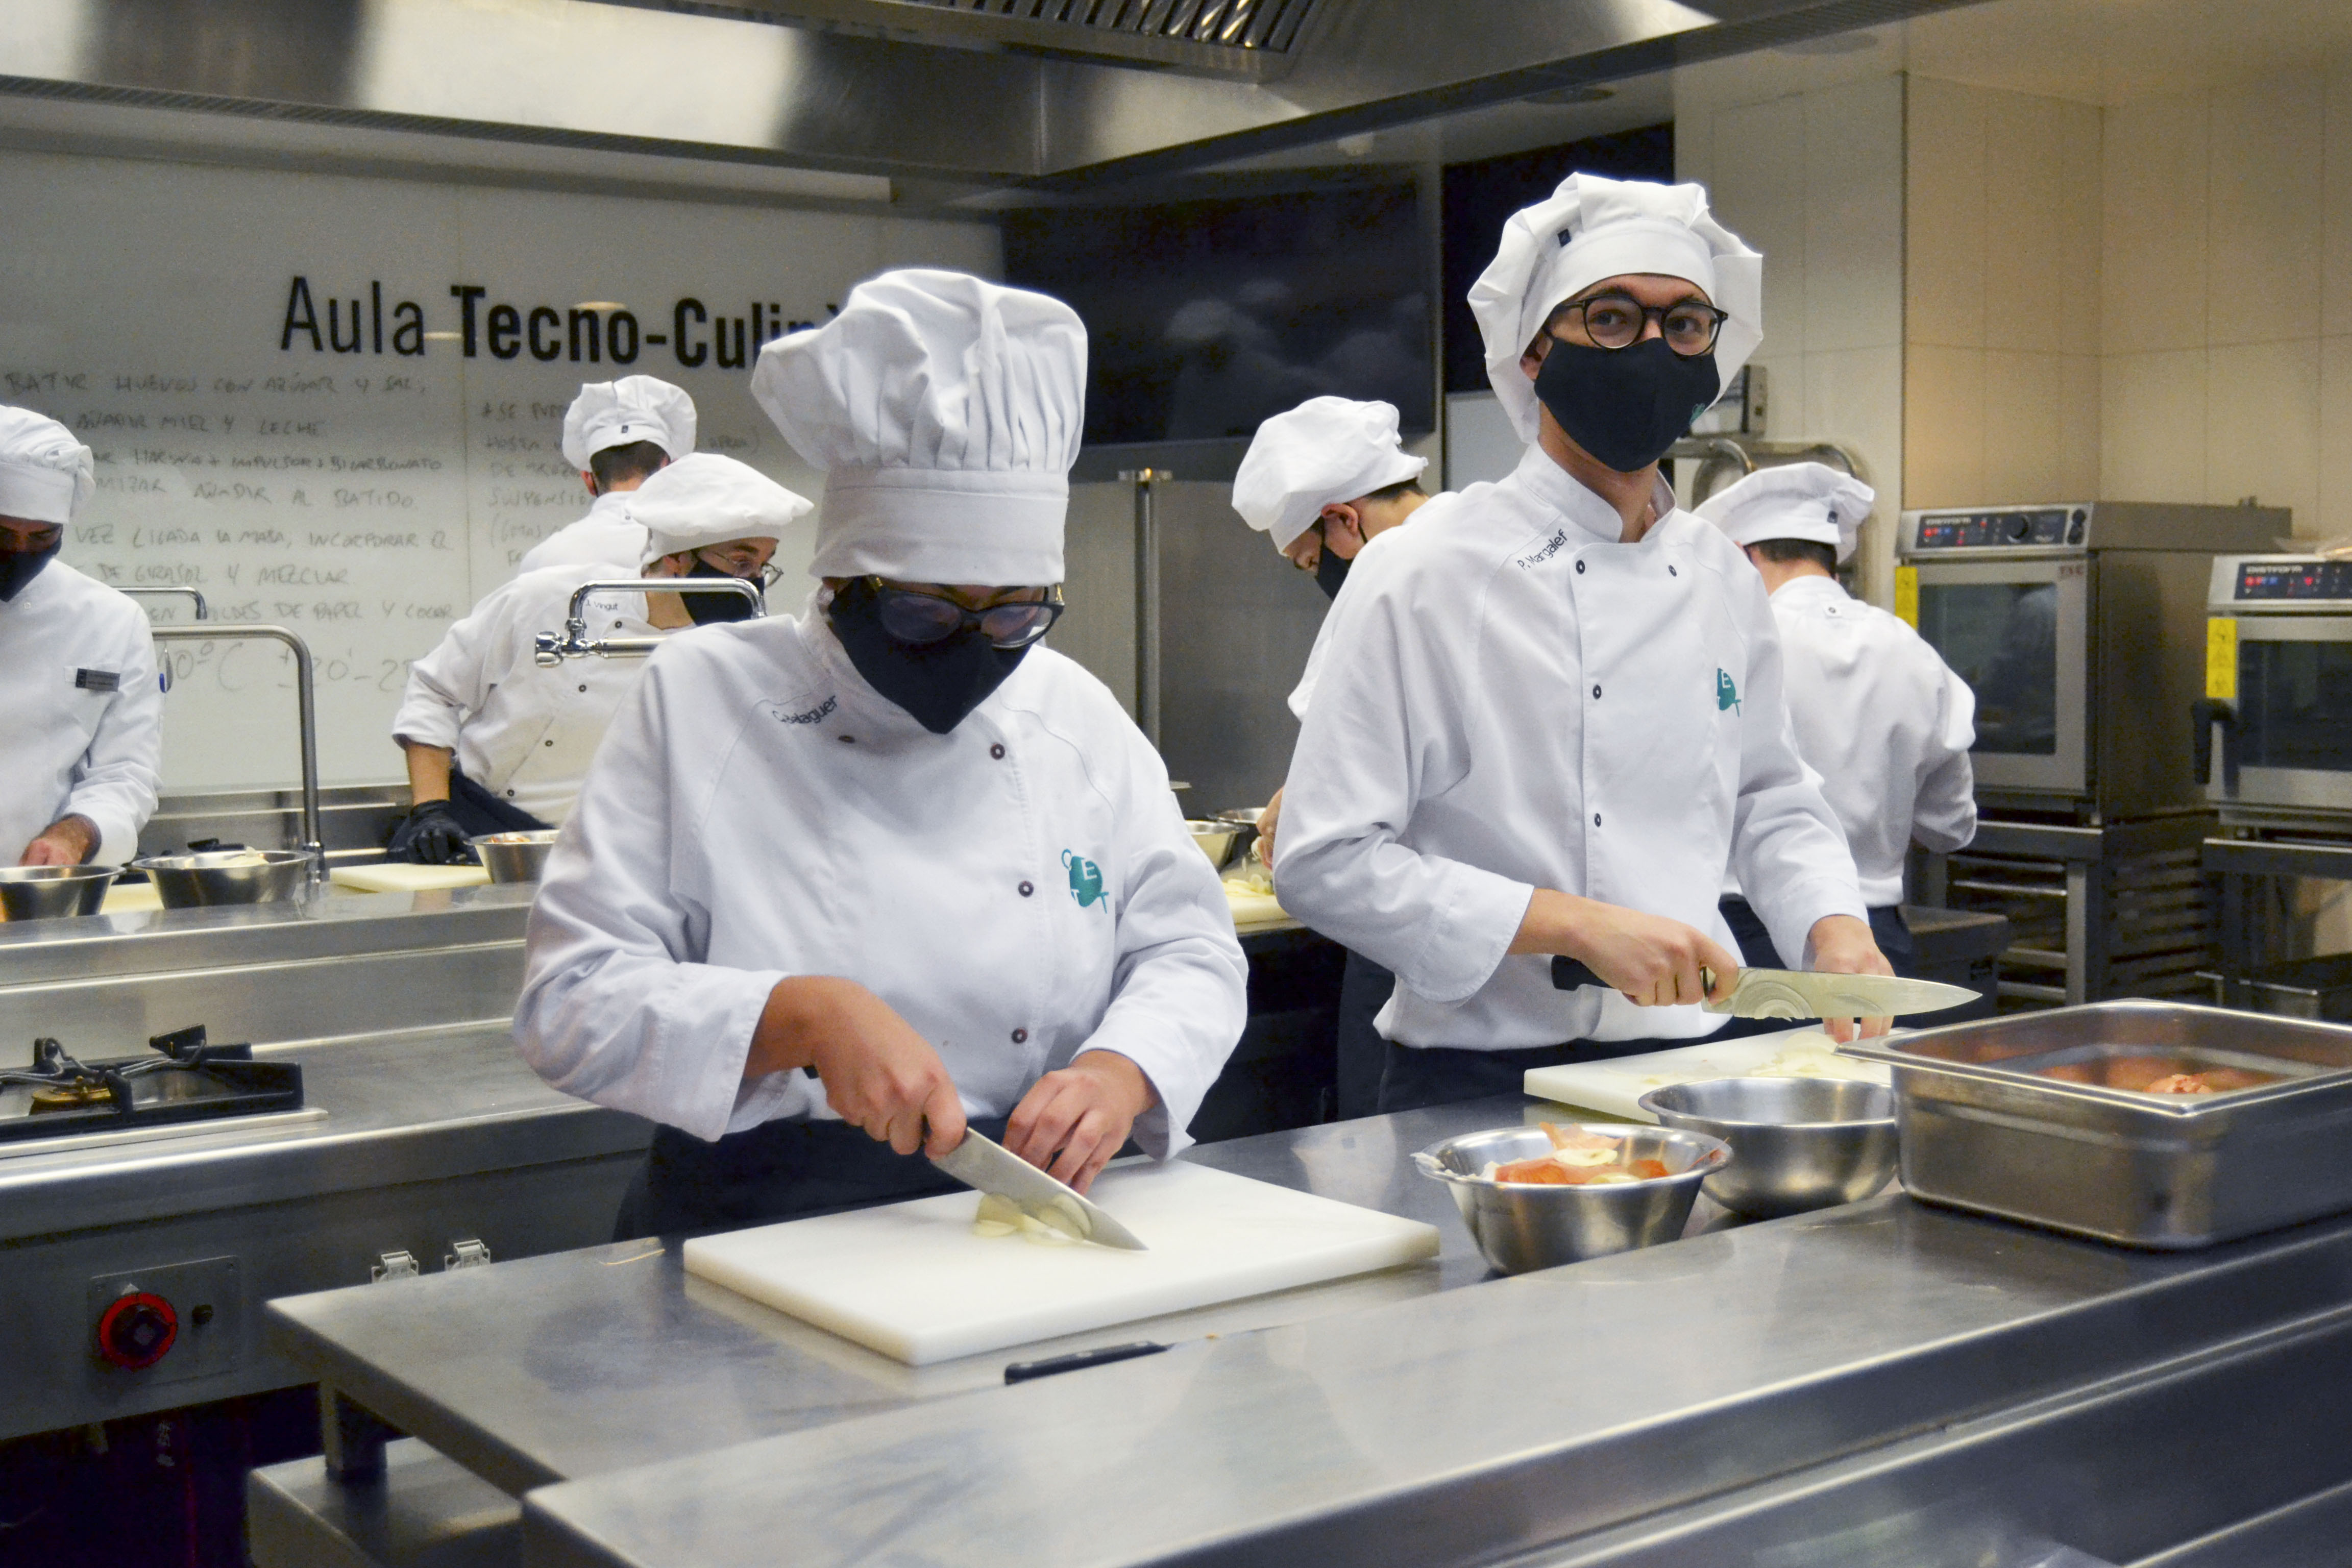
(333, 403)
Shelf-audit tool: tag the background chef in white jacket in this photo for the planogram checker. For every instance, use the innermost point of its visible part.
(497, 744)
(1552, 713)
(618, 434)
(1877, 712)
(1324, 481)
(838, 882)
(82, 734)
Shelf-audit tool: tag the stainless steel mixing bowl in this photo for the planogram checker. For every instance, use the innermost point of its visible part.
(47, 892)
(228, 877)
(1519, 1228)
(516, 856)
(1799, 1143)
(1216, 839)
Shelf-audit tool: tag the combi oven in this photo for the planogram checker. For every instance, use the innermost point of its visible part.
(2274, 727)
(2080, 629)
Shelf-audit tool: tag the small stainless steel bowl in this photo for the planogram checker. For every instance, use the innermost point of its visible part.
(516, 856)
(1798, 1144)
(1216, 839)
(48, 892)
(1520, 1227)
(228, 877)
(1245, 826)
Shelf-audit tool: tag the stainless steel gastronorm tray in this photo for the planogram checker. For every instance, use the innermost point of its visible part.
(1981, 1129)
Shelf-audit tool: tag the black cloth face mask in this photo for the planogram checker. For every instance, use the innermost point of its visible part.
(1627, 406)
(938, 683)
(708, 609)
(1330, 570)
(18, 567)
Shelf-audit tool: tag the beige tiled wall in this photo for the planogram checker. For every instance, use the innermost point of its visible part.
(1810, 173)
(2226, 312)
(2002, 393)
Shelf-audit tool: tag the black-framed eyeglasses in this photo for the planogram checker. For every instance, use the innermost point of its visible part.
(741, 566)
(914, 616)
(1616, 320)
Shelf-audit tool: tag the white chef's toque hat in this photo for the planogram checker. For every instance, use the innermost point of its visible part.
(946, 412)
(1324, 450)
(622, 413)
(1591, 228)
(703, 500)
(46, 475)
(1811, 501)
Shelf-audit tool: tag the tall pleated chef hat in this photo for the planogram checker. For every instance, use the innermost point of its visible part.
(1591, 228)
(946, 412)
(622, 413)
(1327, 449)
(1811, 501)
(46, 475)
(703, 500)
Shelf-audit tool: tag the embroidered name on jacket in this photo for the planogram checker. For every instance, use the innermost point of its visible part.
(1551, 547)
(815, 715)
(98, 680)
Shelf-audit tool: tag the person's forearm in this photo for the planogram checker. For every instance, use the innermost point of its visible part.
(789, 1024)
(428, 772)
(1555, 922)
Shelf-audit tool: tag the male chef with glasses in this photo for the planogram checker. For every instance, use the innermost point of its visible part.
(840, 883)
(1551, 716)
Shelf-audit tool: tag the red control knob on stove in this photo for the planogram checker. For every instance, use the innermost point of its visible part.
(137, 1330)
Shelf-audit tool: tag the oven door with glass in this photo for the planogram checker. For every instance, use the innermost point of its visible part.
(2016, 631)
(2289, 732)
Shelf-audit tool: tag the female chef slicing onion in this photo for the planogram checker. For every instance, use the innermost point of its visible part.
(837, 882)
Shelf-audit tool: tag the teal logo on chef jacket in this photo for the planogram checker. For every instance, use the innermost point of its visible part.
(1727, 691)
(1085, 879)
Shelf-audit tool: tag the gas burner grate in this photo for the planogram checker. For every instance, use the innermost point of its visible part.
(185, 1079)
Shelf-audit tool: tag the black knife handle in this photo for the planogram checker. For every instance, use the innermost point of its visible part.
(1030, 1370)
(1567, 975)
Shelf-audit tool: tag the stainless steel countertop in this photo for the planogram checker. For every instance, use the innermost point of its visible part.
(333, 925)
(1454, 1429)
(430, 1104)
(576, 1363)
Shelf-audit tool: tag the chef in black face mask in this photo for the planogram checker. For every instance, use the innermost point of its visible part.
(843, 885)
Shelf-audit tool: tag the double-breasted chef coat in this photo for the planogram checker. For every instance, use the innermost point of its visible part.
(1514, 699)
(1884, 722)
(1018, 889)
(607, 533)
(523, 731)
(81, 715)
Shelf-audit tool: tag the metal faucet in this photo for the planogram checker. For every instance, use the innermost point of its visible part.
(174, 592)
(548, 649)
(305, 698)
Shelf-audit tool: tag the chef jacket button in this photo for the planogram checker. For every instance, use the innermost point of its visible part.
(1596, 693)
(583, 689)
(1027, 888)
(846, 740)
(510, 794)
(1579, 567)
(1672, 573)
(1020, 1036)
(1596, 819)
(551, 742)
(997, 751)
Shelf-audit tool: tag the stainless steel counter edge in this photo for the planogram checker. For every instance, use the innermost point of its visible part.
(1458, 1427)
(397, 1110)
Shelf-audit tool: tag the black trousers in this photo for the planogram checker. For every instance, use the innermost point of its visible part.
(792, 1169)
(479, 811)
(1756, 949)
(1364, 989)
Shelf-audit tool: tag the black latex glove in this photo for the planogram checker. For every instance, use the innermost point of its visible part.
(429, 835)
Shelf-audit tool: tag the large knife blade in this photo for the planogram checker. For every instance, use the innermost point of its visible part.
(981, 1162)
(1807, 994)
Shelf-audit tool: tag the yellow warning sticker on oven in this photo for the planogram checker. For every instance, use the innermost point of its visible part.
(2221, 658)
(1906, 596)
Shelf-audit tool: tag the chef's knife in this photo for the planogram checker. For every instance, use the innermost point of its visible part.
(982, 1161)
(1806, 993)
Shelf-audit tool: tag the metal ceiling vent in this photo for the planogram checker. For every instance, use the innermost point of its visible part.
(1249, 39)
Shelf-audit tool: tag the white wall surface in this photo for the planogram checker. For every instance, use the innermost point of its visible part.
(365, 499)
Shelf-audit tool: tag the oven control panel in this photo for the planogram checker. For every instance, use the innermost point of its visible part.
(2037, 528)
(2257, 584)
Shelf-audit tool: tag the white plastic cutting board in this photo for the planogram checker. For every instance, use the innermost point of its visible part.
(912, 1281)
(1614, 1087)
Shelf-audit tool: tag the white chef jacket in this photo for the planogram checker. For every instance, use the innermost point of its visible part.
(81, 716)
(1018, 889)
(1884, 722)
(608, 533)
(1304, 692)
(1514, 701)
(525, 732)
